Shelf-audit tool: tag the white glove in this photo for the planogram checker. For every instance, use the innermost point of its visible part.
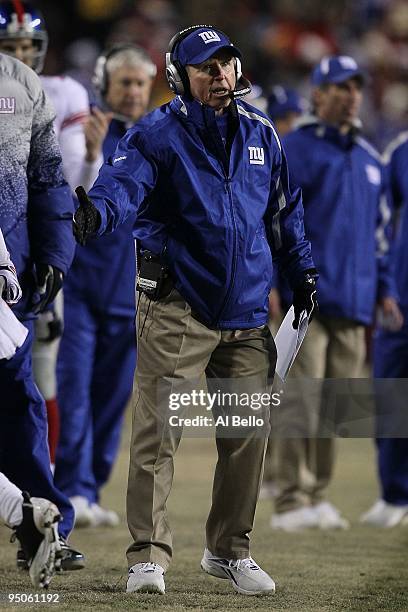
(10, 289)
(12, 332)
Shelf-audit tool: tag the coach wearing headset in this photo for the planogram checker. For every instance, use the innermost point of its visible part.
(206, 178)
(97, 354)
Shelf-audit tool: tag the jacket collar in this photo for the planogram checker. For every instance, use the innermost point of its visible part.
(118, 126)
(193, 111)
(329, 132)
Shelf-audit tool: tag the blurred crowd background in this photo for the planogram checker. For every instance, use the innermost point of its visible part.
(281, 40)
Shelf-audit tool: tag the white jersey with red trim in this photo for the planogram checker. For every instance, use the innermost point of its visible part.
(70, 100)
(71, 104)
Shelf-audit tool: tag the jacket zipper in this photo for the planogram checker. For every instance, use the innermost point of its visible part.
(227, 187)
(353, 222)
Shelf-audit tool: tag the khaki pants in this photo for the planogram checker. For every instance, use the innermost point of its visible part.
(270, 473)
(333, 348)
(172, 344)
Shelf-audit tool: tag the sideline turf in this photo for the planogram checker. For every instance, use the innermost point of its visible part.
(361, 569)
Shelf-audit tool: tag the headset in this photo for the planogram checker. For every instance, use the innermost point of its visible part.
(176, 73)
(100, 78)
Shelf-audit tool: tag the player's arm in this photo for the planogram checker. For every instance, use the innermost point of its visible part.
(286, 233)
(81, 157)
(50, 206)
(387, 293)
(123, 183)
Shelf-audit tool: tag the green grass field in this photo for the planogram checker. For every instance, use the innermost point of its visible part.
(361, 569)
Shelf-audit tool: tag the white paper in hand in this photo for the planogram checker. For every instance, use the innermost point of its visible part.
(12, 332)
(288, 341)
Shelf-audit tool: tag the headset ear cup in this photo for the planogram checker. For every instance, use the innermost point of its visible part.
(183, 76)
(177, 77)
(238, 68)
(99, 78)
(174, 80)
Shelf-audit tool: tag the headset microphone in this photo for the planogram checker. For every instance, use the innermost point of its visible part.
(242, 90)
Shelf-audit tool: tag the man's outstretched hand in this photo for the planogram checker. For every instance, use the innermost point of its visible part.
(86, 217)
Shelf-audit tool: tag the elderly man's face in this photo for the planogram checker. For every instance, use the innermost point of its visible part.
(129, 91)
(212, 81)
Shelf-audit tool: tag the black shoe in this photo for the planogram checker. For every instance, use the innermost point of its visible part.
(69, 558)
(38, 537)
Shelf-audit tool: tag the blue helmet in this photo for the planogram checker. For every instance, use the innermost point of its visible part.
(20, 19)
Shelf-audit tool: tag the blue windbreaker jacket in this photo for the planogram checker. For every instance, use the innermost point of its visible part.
(214, 219)
(346, 217)
(396, 160)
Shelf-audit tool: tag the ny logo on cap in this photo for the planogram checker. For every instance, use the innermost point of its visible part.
(209, 36)
(256, 156)
(348, 63)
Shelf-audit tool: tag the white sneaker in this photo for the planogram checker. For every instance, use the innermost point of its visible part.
(146, 578)
(269, 490)
(245, 575)
(83, 513)
(295, 520)
(383, 514)
(103, 517)
(329, 517)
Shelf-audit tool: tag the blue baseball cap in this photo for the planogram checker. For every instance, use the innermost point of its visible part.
(283, 100)
(201, 44)
(336, 69)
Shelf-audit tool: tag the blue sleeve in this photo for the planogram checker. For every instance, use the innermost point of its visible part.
(286, 233)
(386, 285)
(50, 203)
(123, 183)
(396, 176)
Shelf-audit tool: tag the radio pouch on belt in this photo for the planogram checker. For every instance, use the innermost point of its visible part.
(153, 277)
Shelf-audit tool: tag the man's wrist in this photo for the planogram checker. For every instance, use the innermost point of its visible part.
(311, 273)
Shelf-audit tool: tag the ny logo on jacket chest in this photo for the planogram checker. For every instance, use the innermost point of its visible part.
(256, 156)
(373, 174)
(7, 105)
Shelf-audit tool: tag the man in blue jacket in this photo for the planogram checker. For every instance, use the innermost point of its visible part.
(284, 107)
(97, 356)
(207, 179)
(35, 211)
(341, 177)
(391, 361)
